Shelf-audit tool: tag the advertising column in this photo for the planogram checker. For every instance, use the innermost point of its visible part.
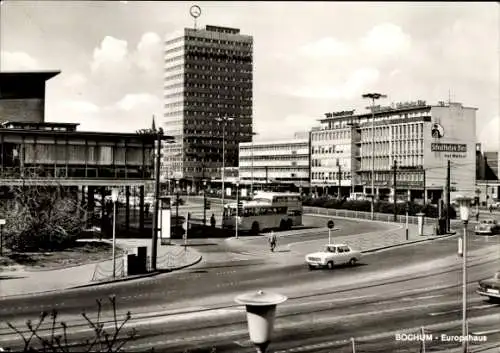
(165, 217)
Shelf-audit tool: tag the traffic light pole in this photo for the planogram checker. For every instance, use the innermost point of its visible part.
(237, 209)
(395, 177)
(448, 203)
(204, 206)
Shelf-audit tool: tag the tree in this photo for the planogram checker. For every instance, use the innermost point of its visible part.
(58, 340)
(41, 217)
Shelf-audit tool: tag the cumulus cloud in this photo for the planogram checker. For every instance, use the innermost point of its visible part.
(359, 80)
(386, 39)
(149, 52)
(137, 100)
(17, 60)
(74, 80)
(489, 135)
(284, 127)
(325, 47)
(111, 51)
(79, 106)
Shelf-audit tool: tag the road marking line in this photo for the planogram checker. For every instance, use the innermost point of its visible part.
(482, 333)
(477, 307)
(486, 306)
(424, 297)
(424, 289)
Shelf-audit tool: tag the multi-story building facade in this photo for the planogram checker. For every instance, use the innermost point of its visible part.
(208, 77)
(34, 152)
(487, 181)
(283, 162)
(417, 137)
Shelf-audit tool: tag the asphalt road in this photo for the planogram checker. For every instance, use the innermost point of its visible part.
(324, 320)
(315, 300)
(389, 290)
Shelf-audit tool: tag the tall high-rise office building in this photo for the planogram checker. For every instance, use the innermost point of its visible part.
(208, 101)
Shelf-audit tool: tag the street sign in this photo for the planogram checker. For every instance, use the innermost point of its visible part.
(330, 224)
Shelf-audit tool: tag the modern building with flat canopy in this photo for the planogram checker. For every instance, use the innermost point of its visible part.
(35, 152)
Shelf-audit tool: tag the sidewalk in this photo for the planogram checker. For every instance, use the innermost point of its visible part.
(22, 281)
(366, 242)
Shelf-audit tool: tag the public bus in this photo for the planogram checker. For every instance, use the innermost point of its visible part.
(267, 210)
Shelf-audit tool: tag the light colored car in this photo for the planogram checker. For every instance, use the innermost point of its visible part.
(332, 255)
(487, 226)
(490, 287)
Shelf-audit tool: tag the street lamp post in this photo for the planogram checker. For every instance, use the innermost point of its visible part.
(464, 203)
(236, 218)
(204, 202)
(251, 177)
(2, 223)
(154, 238)
(114, 198)
(223, 119)
(373, 97)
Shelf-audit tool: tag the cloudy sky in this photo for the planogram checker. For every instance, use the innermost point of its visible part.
(309, 58)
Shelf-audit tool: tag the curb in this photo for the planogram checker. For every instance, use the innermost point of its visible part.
(408, 243)
(123, 279)
(146, 275)
(299, 232)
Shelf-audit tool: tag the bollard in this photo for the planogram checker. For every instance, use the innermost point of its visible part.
(353, 344)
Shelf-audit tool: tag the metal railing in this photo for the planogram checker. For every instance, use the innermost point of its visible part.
(383, 217)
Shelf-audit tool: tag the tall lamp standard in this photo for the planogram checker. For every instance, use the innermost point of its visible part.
(251, 176)
(373, 97)
(223, 119)
(154, 239)
(114, 198)
(464, 203)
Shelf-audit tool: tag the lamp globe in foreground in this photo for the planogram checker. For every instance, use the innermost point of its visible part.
(261, 311)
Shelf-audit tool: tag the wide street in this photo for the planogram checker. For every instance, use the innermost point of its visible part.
(407, 287)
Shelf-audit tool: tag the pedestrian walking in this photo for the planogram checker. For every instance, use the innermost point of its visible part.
(491, 208)
(212, 221)
(477, 216)
(272, 241)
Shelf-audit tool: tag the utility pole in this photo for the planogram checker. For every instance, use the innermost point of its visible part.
(267, 176)
(448, 189)
(486, 179)
(204, 183)
(236, 218)
(425, 191)
(154, 245)
(340, 179)
(373, 97)
(394, 199)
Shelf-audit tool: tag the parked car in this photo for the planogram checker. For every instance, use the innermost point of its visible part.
(487, 226)
(332, 255)
(490, 287)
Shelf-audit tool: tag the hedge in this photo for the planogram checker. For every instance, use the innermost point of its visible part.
(380, 207)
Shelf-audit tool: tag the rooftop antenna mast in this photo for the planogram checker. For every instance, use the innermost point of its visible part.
(195, 12)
